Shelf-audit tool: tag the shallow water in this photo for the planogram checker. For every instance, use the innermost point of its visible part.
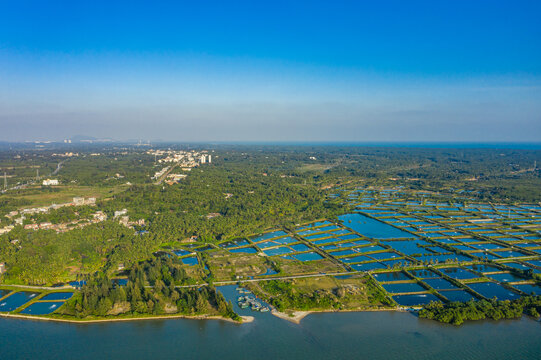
(368, 335)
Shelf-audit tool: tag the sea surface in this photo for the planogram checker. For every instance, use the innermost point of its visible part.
(361, 335)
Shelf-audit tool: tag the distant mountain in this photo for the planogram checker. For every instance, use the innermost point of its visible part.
(88, 139)
(80, 138)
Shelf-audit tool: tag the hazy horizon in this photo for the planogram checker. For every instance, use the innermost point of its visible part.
(305, 72)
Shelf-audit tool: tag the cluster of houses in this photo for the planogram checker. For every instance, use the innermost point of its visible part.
(184, 158)
(77, 201)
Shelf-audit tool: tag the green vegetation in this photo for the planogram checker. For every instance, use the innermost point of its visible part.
(151, 289)
(325, 293)
(246, 190)
(45, 257)
(456, 312)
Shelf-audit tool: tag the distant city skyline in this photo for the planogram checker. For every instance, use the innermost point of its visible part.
(419, 71)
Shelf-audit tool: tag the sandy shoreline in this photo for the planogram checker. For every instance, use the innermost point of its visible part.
(245, 319)
(297, 316)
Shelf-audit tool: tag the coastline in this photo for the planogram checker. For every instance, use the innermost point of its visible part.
(297, 315)
(245, 319)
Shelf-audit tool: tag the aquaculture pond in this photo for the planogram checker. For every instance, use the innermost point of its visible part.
(459, 274)
(408, 247)
(269, 235)
(517, 266)
(505, 277)
(483, 268)
(423, 273)
(246, 250)
(342, 252)
(299, 247)
(391, 276)
(60, 295)
(16, 300)
(415, 300)
(490, 290)
(182, 252)
(439, 284)
(528, 289)
(509, 254)
(285, 240)
(367, 249)
(42, 308)
(368, 266)
(373, 228)
(192, 260)
(309, 256)
(457, 295)
(278, 251)
(267, 244)
(403, 287)
(317, 236)
(384, 255)
(355, 259)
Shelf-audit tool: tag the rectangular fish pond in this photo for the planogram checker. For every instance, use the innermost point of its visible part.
(459, 273)
(245, 250)
(309, 256)
(506, 277)
(415, 300)
(57, 296)
(490, 290)
(269, 236)
(391, 276)
(278, 251)
(440, 284)
(16, 300)
(423, 273)
(368, 266)
(457, 295)
(42, 308)
(403, 287)
(373, 228)
(528, 289)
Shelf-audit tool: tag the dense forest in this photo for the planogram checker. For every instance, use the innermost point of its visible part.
(150, 289)
(456, 312)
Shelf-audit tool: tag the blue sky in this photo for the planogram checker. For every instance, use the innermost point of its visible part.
(271, 71)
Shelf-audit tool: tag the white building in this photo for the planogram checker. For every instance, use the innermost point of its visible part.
(121, 212)
(50, 182)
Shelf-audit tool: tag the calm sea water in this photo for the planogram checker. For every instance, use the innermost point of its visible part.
(370, 335)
